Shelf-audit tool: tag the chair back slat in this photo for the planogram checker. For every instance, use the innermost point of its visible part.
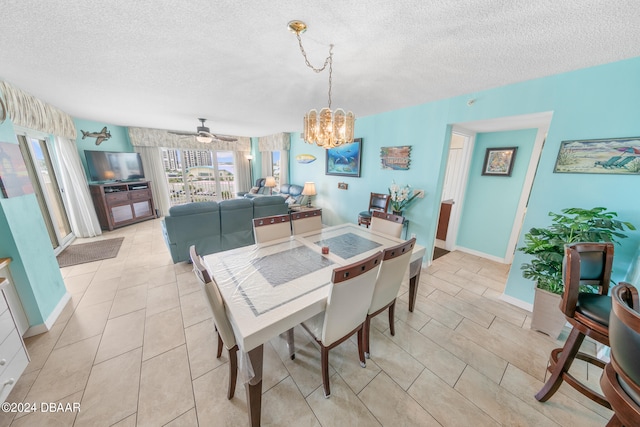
(379, 201)
(349, 297)
(624, 334)
(395, 262)
(306, 221)
(214, 298)
(387, 223)
(585, 264)
(270, 228)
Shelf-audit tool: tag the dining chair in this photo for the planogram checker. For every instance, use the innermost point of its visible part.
(225, 333)
(377, 202)
(270, 228)
(349, 298)
(387, 223)
(584, 265)
(306, 221)
(395, 261)
(620, 381)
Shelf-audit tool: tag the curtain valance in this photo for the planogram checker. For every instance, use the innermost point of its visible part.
(145, 137)
(276, 142)
(30, 112)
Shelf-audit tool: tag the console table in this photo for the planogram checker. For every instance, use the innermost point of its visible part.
(122, 203)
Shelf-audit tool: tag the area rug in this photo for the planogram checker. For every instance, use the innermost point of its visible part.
(89, 252)
(438, 252)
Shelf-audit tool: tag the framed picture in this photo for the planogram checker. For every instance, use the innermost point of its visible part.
(601, 156)
(396, 158)
(499, 161)
(345, 160)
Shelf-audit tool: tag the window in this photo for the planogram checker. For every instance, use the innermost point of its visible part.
(275, 166)
(199, 175)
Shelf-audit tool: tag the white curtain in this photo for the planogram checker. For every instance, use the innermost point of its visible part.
(154, 171)
(243, 180)
(267, 164)
(82, 215)
(284, 167)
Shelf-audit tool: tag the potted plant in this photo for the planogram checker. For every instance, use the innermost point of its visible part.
(401, 198)
(546, 245)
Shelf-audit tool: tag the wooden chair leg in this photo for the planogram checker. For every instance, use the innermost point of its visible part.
(233, 371)
(361, 344)
(615, 422)
(366, 330)
(291, 344)
(220, 345)
(567, 356)
(324, 360)
(392, 309)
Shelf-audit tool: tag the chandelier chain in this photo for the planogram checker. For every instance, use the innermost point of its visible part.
(327, 61)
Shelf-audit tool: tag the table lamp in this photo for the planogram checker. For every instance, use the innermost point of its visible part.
(270, 182)
(309, 190)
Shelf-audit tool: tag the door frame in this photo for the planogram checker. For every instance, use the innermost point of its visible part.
(540, 121)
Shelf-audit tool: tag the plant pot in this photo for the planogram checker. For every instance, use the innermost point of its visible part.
(399, 213)
(547, 316)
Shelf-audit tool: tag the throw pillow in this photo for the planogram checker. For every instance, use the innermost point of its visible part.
(254, 190)
(290, 201)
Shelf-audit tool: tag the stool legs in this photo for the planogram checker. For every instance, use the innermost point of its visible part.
(567, 356)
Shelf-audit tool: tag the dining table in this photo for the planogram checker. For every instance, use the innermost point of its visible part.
(269, 288)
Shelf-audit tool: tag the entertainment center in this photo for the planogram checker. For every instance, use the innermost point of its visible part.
(122, 203)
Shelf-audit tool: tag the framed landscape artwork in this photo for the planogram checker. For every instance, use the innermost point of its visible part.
(345, 160)
(499, 161)
(601, 156)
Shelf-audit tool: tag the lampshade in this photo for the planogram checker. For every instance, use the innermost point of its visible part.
(270, 182)
(309, 189)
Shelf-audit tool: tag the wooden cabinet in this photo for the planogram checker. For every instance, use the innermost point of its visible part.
(13, 354)
(122, 203)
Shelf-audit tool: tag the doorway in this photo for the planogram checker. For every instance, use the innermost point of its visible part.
(36, 152)
(539, 121)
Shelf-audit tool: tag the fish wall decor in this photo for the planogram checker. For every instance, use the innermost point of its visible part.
(305, 158)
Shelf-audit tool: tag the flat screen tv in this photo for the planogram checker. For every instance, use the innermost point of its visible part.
(106, 166)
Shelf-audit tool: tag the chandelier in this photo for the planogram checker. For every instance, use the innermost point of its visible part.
(327, 128)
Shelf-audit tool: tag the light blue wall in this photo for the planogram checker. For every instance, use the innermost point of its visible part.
(119, 140)
(24, 239)
(597, 102)
(492, 201)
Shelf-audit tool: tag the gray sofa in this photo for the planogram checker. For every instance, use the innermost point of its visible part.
(216, 226)
(287, 191)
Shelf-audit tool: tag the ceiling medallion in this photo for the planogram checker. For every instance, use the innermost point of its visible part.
(327, 128)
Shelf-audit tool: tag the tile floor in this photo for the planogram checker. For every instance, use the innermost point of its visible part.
(135, 347)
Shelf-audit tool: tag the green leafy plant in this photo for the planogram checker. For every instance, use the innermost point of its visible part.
(572, 225)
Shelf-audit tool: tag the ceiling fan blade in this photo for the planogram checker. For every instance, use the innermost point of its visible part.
(218, 137)
(182, 133)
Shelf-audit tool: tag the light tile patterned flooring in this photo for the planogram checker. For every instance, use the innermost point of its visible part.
(135, 346)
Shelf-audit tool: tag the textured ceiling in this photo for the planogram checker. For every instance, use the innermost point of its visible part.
(162, 64)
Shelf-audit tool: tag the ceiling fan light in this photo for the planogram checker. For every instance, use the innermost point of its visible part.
(204, 139)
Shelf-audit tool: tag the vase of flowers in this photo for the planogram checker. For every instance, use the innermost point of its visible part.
(401, 198)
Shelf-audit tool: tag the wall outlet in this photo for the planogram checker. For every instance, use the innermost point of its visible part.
(419, 193)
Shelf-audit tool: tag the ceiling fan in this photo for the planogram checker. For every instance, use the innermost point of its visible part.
(203, 134)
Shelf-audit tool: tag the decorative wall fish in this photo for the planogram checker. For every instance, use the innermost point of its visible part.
(305, 158)
(103, 135)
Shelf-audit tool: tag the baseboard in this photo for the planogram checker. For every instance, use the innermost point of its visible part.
(48, 324)
(481, 254)
(517, 302)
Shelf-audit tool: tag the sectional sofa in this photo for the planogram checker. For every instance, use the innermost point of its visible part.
(216, 226)
(292, 193)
